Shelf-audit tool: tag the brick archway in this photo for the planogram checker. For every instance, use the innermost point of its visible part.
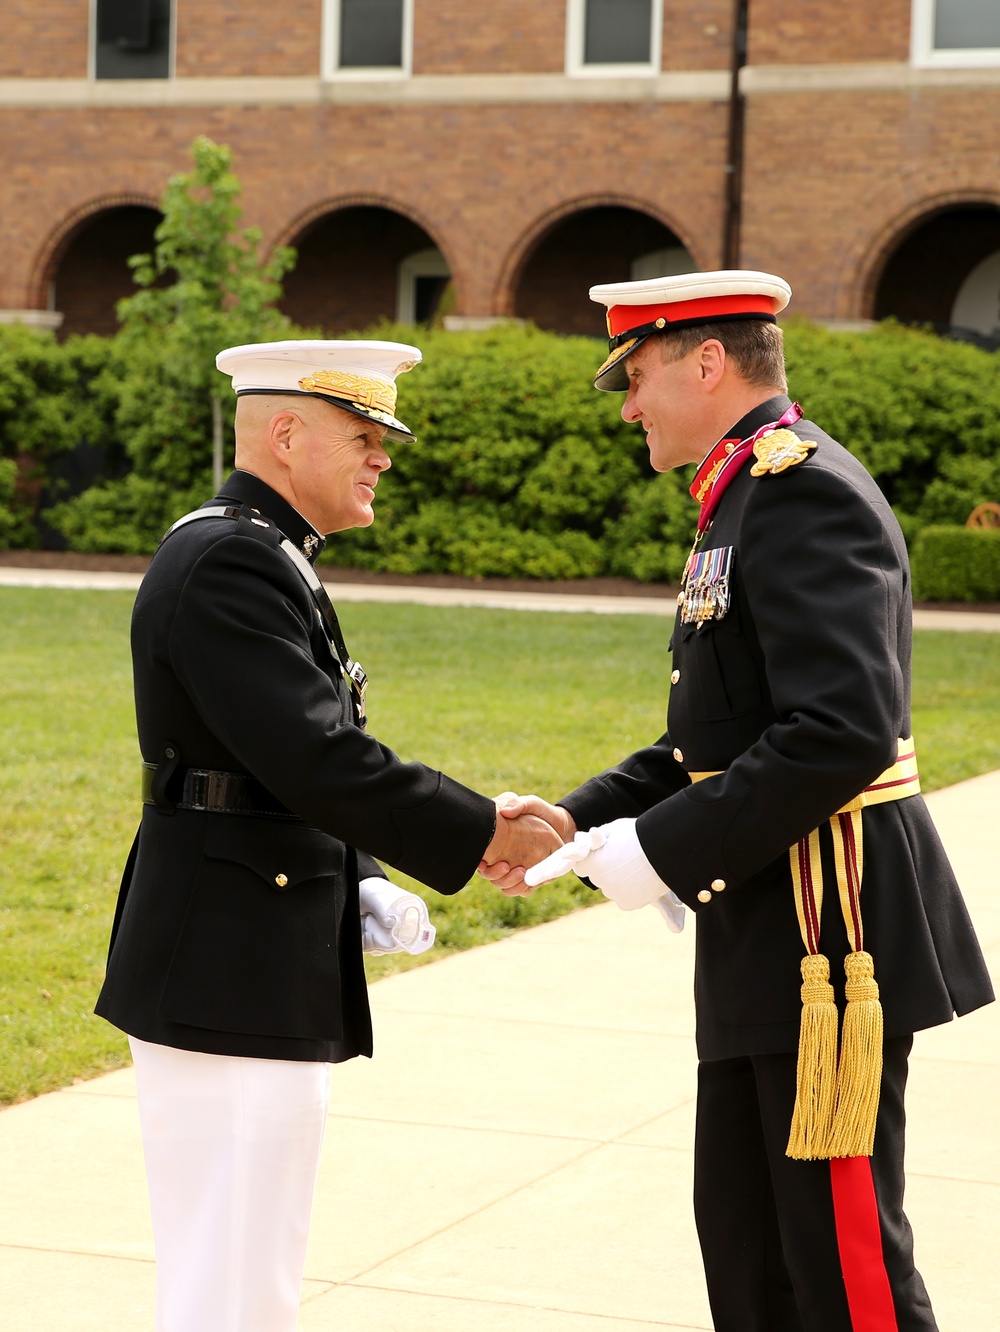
(627, 228)
(129, 221)
(353, 255)
(903, 233)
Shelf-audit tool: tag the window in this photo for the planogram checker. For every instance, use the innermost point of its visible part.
(133, 39)
(422, 280)
(613, 37)
(956, 32)
(366, 38)
(661, 263)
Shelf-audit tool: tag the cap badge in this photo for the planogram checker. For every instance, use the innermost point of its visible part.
(365, 390)
(779, 450)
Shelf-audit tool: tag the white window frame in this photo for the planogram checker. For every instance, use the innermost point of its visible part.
(923, 54)
(423, 263)
(575, 46)
(92, 49)
(330, 42)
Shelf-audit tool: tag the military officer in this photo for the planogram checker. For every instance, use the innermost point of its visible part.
(782, 808)
(235, 964)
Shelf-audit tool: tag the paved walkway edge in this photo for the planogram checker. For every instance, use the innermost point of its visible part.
(973, 621)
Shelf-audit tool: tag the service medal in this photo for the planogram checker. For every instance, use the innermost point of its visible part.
(706, 585)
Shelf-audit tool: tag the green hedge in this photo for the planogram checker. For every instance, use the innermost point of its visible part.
(521, 468)
(957, 564)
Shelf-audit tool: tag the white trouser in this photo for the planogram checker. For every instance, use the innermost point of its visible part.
(232, 1148)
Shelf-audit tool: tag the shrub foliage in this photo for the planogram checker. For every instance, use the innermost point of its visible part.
(957, 564)
(521, 468)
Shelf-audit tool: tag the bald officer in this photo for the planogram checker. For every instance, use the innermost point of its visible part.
(236, 955)
(782, 808)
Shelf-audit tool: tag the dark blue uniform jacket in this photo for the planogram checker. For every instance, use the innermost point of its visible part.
(798, 696)
(237, 934)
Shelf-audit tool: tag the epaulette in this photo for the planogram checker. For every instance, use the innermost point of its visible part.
(779, 450)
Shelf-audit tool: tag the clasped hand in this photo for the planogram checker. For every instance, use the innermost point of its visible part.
(528, 829)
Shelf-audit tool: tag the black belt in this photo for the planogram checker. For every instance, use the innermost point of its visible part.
(217, 793)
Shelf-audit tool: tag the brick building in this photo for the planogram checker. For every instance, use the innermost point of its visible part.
(523, 150)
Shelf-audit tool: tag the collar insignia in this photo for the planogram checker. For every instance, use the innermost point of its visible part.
(779, 450)
(309, 544)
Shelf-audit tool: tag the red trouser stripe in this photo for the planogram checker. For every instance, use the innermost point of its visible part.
(859, 1240)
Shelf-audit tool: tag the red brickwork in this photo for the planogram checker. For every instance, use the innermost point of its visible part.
(697, 34)
(44, 40)
(516, 37)
(820, 32)
(248, 37)
(835, 182)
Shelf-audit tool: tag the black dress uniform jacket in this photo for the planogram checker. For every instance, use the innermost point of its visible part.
(238, 934)
(798, 695)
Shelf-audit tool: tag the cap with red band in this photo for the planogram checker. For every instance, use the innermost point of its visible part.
(637, 310)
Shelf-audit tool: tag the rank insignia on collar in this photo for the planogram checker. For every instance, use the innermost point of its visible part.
(778, 451)
(309, 544)
(706, 585)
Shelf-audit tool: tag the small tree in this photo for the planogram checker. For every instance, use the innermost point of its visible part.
(204, 287)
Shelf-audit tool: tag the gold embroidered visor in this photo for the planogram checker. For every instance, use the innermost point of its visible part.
(365, 395)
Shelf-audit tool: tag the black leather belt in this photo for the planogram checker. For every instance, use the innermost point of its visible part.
(215, 792)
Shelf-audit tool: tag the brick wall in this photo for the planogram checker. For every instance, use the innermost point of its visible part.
(834, 183)
(810, 32)
(697, 34)
(44, 39)
(516, 37)
(248, 37)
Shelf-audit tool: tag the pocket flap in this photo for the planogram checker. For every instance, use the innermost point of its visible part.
(283, 856)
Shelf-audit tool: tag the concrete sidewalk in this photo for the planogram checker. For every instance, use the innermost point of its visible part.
(975, 621)
(517, 1157)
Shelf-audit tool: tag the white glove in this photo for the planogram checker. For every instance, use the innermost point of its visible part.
(393, 920)
(611, 858)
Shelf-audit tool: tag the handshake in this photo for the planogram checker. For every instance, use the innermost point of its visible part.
(536, 842)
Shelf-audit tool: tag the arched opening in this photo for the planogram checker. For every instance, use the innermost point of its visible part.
(364, 263)
(599, 244)
(90, 273)
(946, 273)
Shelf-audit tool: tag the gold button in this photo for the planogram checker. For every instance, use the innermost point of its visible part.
(674, 676)
(678, 756)
(661, 323)
(718, 885)
(281, 880)
(730, 447)
(704, 895)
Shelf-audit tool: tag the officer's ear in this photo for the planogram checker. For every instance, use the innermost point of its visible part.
(281, 432)
(711, 363)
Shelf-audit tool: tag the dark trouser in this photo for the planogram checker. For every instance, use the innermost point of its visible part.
(794, 1246)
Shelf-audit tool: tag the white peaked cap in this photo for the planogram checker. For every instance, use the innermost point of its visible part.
(358, 376)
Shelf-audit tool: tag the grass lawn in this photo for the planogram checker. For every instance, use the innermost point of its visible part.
(498, 699)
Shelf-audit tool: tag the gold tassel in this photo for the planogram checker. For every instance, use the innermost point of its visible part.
(859, 1077)
(816, 1078)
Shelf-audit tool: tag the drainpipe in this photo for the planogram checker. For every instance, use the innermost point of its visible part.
(734, 154)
